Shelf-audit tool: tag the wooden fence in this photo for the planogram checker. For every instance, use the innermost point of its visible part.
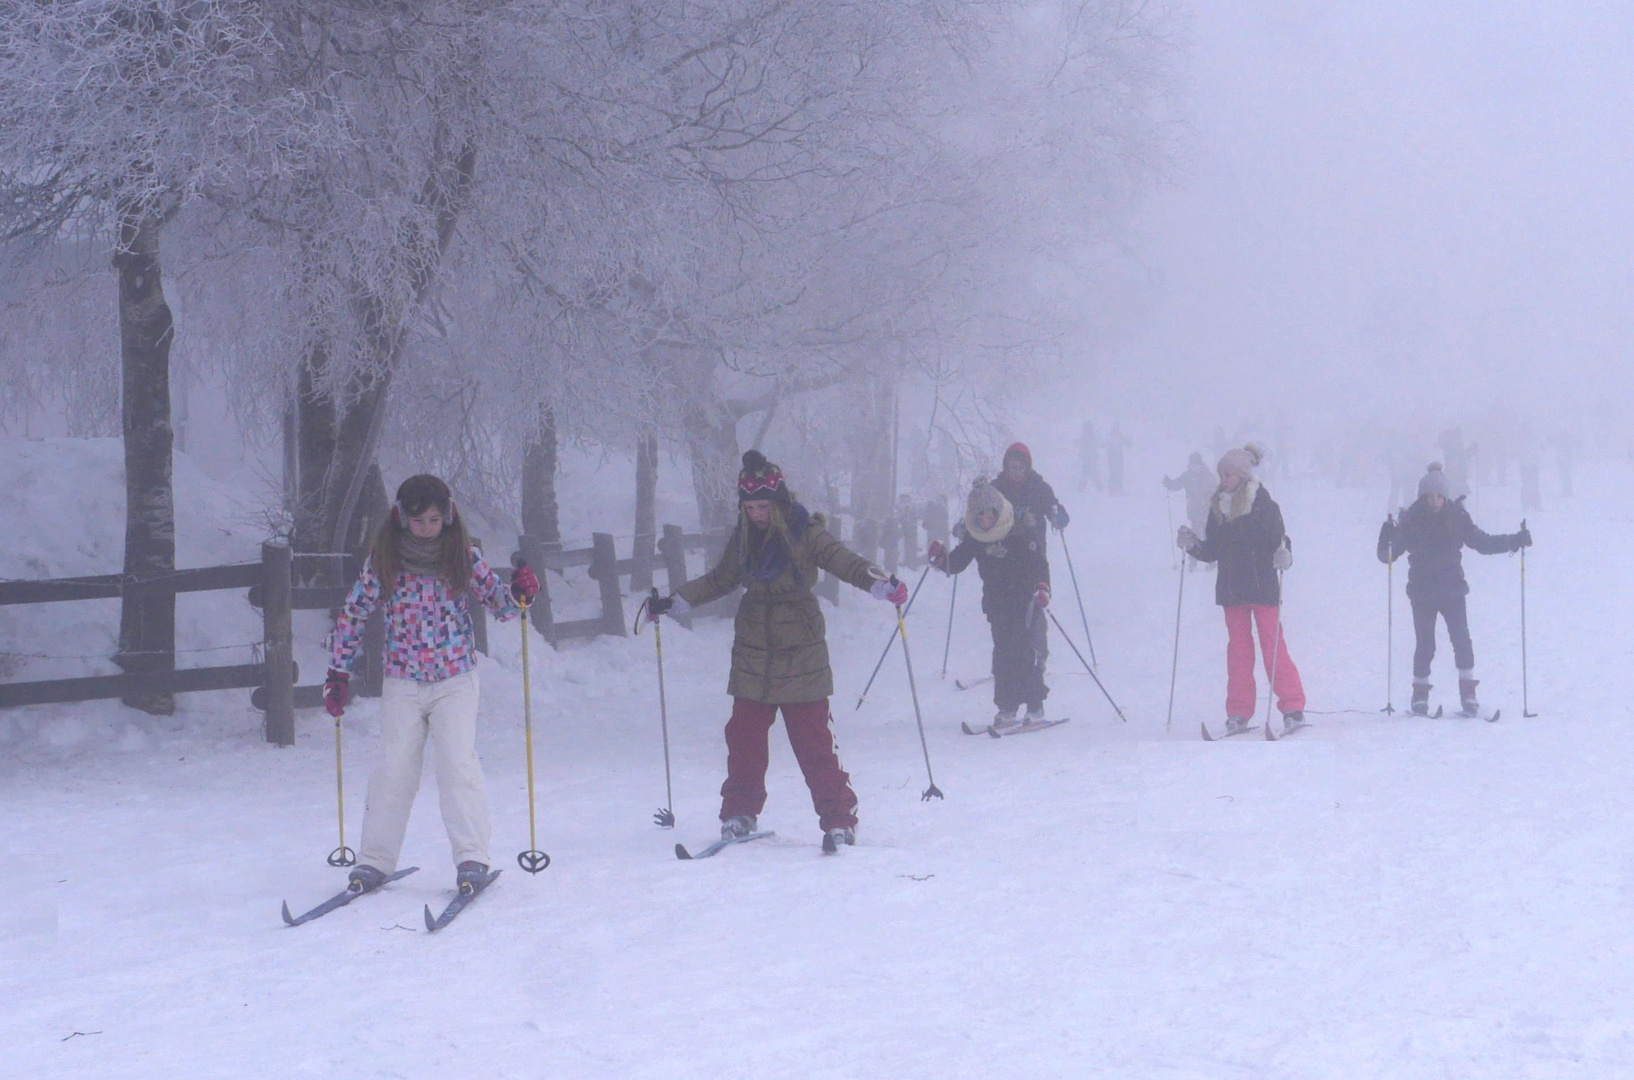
(279, 591)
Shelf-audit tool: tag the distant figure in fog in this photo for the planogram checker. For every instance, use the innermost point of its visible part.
(1198, 484)
(1089, 459)
(1116, 443)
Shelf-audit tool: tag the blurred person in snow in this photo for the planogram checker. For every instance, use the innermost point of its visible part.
(1089, 458)
(779, 648)
(1433, 533)
(1198, 484)
(1026, 491)
(1246, 536)
(1116, 443)
(425, 568)
(1007, 546)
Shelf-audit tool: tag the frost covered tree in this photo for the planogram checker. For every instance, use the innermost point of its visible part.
(115, 115)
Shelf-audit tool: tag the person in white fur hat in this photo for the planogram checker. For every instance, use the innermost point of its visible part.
(1246, 536)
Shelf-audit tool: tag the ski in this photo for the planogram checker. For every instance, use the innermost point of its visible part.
(457, 905)
(960, 684)
(988, 729)
(1022, 729)
(720, 845)
(1271, 736)
(339, 900)
(1228, 735)
(1493, 719)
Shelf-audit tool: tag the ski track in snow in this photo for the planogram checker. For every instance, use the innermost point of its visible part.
(1380, 897)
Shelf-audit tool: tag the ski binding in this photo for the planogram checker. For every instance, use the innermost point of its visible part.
(467, 894)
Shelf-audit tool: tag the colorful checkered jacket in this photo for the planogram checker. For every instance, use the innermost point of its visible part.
(429, 636)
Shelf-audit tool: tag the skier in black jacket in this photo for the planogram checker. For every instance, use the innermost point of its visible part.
(1008, 549)
(1433, 533)
(1027, 491)
(1245, 535)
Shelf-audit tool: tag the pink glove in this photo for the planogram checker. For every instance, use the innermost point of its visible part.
(337, 688)
(892, 592)
(938, 555)
(524, 585)
(1041, 598)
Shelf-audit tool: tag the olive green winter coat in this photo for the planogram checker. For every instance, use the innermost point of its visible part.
(780, 653)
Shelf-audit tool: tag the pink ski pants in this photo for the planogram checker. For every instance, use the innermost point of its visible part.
(1241, 693)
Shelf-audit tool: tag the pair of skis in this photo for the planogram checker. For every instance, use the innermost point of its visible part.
(467, 893)
(999, 731)
(1270, 734)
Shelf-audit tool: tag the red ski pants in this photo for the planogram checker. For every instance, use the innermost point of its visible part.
(812, 737)
(1241, 693)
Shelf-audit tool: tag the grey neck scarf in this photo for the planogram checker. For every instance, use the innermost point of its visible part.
(420, 556)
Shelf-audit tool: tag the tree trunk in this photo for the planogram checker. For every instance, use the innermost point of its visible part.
(147, 621)
(646, 508)
(540, 519)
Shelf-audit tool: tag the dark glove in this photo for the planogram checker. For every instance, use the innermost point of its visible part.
(337, 689)
(1387, 531)
(937, 554)
(1041, 598)
(657, 605)
(1061, 519)
(524, 585)
(1522, 539)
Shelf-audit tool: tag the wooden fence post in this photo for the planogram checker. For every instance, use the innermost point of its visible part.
(539, 612)
(604, 568)
(673, 546)
(277, 645)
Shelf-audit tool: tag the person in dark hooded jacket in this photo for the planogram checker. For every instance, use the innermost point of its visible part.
(1246, 536)
(1433, 533)
(1008, 549)
(1026, 491)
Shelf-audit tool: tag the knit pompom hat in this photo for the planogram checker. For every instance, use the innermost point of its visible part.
(1241, 462)
(1434, 481)
(760, 479)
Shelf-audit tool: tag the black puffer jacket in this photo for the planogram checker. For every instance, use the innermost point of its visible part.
(1243, 548)
(1034, 495)
(1011, 569)
(1434, 543)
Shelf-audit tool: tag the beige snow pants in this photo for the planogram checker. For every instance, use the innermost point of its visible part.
(409, 711)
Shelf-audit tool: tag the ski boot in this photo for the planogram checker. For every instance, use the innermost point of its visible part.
(1236, 725)
(1291, 720)
(1469, 704)
(1421, 699)
(833, 838)
(470, 876)
(1035, 714)
(1005, 718)
(736, 828)
(364, 879)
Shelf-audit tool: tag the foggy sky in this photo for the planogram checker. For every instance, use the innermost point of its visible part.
(1393, 206)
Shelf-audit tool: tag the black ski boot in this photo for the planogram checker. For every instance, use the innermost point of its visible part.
(470, 876)
(833, 838)
(1421, 698)
(1466, 695)
(364, 879)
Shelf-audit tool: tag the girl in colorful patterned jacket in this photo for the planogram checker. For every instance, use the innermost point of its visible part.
(423, 565)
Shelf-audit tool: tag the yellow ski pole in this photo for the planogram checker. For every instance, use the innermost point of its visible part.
(532, 860)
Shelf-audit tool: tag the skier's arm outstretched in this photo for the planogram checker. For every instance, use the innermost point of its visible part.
(725, 576)
(1485, 543)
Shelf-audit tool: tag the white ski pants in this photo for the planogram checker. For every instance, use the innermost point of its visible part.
(409, 711)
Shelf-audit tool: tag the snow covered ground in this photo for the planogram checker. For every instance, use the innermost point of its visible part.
(1375, 897)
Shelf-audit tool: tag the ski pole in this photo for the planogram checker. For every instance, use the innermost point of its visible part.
(1276, 653)
(343, 855)
(1390, 631)
(532, 860)
(1526, 712)
(1068, 639)
(887, 650)
(1088, 640)
(1168, 512)
(665, 817)
(1174, 668)
(932, 792)
(948, 644)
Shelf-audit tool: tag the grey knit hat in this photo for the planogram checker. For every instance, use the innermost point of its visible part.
(1434, 481)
